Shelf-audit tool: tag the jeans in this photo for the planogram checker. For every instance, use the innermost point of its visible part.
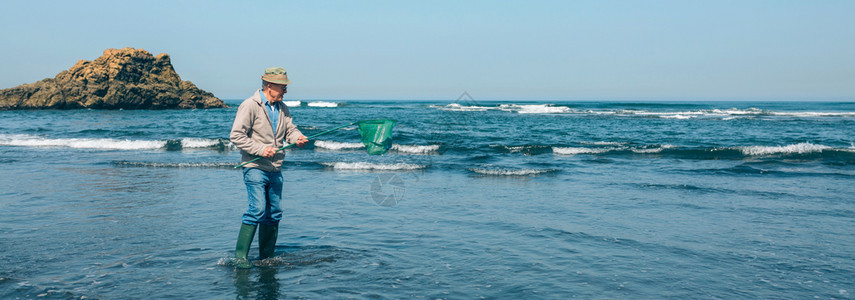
(264, 191)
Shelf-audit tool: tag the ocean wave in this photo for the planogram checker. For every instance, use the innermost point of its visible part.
(808, 114)
(296, 103)
(458, 107)
(603, 143)
(517, 108)
(648, 150)
(323, 104)
(678, 117)
(415, 149)
(510, 172)
(800, 148)
(24, 140)
(412, 149)
(367, 166)
(535, 108)
(200, 143)
(578, 150)
(219, 165)
(725, 114)
(337, 145)
(80, 143)
(524, 149)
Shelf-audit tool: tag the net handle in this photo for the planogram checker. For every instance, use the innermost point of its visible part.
(307, 139)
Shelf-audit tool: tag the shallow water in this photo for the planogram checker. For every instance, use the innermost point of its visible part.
(587, 200)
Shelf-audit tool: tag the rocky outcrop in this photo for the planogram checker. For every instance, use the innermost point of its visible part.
(121, 78)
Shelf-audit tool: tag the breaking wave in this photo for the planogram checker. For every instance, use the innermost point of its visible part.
(578, 150)
(415, 149)
(458, 107)
(296, 103)
(701, 153)
(337, 145)
(510, 171)
(24, 140)
(411, 149)
(80, 143)
(724, 114)
(535, 109)
(800, 148)
(367, 166)
(323, 104)
(217, 165)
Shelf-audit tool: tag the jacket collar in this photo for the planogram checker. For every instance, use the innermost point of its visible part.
(257, 98)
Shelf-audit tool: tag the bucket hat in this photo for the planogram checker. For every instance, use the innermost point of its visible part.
(276, 75)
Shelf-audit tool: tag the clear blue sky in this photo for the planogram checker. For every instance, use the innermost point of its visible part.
(495, 50)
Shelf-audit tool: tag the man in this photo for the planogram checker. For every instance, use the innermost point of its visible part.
(261, 124)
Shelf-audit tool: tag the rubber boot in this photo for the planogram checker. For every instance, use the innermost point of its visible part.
(247, 232)
(267, 235)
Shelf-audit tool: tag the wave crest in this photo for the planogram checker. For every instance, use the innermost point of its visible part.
(296, 103)
(332, 145)
(578, 150)
(800, 148)
(80, 143)
(510, 172)
(535, 109)
(367, 166)
(323, 104)
(416, 149)
(224, 165)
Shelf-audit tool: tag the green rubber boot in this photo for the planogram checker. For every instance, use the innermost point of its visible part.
(247, 232)
(267, 235)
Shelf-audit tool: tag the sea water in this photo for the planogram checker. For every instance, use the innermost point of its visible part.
(475, 199)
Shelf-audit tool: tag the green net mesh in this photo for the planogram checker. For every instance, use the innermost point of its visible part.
(376, 135)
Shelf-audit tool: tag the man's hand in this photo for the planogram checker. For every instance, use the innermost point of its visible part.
(268, 152)
(302, 141)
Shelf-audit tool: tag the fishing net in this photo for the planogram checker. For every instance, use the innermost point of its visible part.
(376, 135)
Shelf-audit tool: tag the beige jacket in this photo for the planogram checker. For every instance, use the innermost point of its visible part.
(252, 132)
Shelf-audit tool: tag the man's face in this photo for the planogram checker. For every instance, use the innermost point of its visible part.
(276, 91)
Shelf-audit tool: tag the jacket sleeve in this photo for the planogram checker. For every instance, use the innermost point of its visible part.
(242, 128)
(292, 134)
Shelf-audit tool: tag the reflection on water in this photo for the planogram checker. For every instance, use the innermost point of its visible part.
(257, 283)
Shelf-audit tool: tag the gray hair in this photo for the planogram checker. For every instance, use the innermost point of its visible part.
(264, 85)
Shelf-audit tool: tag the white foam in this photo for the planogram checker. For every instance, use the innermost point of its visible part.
(458, 107)
(513, 149)
(338, 145)
(677, 116)
(603, 143)
(652, 150)
(737, 112)
(367, 166)
(175, 165)
(416, 149)
(296, 103)
(509, 172)
(578, 150)
(322, 104)
(800, 148)
(198, 143)
(808, 114)
(535, 109)
(729, 113)
(80, 143)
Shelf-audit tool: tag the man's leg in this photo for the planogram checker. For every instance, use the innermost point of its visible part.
(268, 228)
(256, 185)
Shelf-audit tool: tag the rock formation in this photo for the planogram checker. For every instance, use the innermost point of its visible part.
(121, 78)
